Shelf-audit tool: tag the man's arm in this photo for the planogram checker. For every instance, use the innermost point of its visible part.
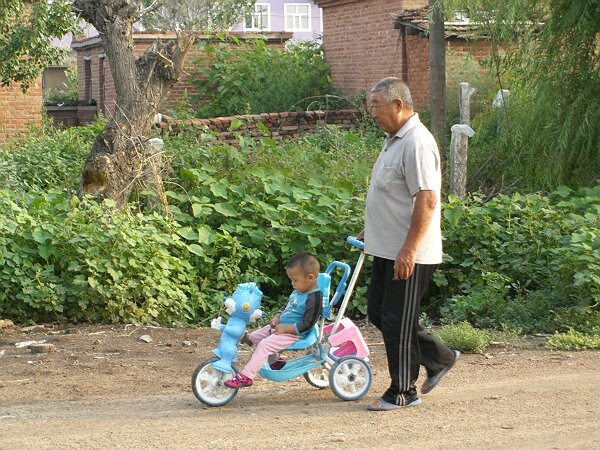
(423, 209)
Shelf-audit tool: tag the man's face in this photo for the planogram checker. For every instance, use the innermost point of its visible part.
(387, 115)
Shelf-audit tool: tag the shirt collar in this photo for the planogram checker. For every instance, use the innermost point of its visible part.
(408, 125)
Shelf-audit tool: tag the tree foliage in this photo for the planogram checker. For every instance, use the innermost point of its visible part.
(26, 30)
(551, 54)
(203, 15)
(251, 78)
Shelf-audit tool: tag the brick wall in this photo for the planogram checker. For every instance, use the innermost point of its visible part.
(362, 46)
(18, 110)
(95, 67)
(280, 125)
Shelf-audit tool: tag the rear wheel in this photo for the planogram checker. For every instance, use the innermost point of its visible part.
(208, 387)
(350, 378)
(318, 377)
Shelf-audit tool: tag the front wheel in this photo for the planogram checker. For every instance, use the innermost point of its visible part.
(318, 377)
(350, 378)
(208, 384)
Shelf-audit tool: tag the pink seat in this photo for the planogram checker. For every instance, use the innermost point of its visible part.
(347, 339)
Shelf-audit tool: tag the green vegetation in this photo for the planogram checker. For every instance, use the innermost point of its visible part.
(521, 262)
(462, 336)
(548, 56)
(236, 215)
(68, 93)
(527, 261)
(573, 340)
(251, 78)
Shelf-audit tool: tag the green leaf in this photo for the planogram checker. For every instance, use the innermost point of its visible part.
(40, 236)
(261, 126)
(305, 229)
(44, 251)
(225, 209)
(235, 124)
(205, 234)
(196, 249)
(314, 240)
(219, 189)
(188, 233)
(197, 210)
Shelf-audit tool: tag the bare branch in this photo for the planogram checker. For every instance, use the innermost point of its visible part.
(153, 7)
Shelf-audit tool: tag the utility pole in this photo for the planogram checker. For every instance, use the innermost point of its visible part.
(437, 72)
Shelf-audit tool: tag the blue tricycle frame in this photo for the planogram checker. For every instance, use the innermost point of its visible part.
(324, 364)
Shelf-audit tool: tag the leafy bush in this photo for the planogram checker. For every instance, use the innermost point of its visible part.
(573, 340)
(528, 262)
(462, 336)
(62, 258)
(521, 260)
(49, 159)
(245, 212)
(252, 78)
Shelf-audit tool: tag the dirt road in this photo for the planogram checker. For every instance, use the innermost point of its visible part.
(104, 387)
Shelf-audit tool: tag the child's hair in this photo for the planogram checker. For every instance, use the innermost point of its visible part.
(307, 263)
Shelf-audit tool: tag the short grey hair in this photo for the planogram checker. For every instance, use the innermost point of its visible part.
(392, 88)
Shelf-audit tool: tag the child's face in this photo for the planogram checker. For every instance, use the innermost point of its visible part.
(300, 281)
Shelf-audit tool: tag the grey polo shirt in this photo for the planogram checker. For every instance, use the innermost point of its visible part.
(408, 163)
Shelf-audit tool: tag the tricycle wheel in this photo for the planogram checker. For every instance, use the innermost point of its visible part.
(350, 378)
(318, 377)
(208, 387)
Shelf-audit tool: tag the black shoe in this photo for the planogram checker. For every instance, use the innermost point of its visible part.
(432, 381)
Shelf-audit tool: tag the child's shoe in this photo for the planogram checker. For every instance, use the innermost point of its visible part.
(246, 340)
(239, 381)
(277, 365)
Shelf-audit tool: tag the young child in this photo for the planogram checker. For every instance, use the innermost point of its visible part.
(300, 314)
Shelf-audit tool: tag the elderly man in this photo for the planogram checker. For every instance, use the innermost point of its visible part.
(402, 232)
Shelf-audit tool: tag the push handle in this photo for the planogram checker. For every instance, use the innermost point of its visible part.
(355, 242)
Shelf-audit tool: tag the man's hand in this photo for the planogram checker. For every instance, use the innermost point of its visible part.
(404, 264)
(423, 209)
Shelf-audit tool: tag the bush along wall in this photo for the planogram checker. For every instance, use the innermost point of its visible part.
(527, 261)
(238, 213)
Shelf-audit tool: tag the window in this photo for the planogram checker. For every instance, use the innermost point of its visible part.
(259, 19)
(297, 17)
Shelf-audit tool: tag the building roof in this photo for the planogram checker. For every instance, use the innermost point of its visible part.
(418, 21)
(150, 36)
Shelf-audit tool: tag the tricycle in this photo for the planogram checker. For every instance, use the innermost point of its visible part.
(334, 353)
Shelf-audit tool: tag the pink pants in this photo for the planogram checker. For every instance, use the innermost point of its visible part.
(268, 345)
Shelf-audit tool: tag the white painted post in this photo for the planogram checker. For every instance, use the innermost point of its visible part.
(459, 145)
(464, 102)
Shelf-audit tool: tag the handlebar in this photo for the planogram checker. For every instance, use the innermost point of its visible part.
(355, 242)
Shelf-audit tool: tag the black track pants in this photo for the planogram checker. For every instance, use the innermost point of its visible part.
(394, 309)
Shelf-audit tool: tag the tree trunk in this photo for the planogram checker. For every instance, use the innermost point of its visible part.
(437, 72)
(119, 160)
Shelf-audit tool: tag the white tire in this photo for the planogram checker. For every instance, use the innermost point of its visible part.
(350, 378)
(208, 387)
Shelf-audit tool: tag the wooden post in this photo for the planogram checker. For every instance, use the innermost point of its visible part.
(459, 145)
(437, 72)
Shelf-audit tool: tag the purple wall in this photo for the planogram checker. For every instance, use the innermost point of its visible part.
(277, 19)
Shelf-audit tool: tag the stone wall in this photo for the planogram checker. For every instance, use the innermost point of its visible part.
(280, 125)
